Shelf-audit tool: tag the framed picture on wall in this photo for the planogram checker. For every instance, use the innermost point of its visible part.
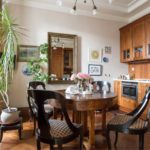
(27, 53)
(95, 69)
(95, 55)
(107, 50)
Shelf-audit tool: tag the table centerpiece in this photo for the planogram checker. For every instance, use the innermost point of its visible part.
(83, 82)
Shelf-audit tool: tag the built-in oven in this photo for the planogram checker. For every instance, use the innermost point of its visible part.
(130, 89)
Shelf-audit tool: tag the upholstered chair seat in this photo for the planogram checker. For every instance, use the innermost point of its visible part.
(121, 119)
(60, 129)
(54, 131)
(130, 123)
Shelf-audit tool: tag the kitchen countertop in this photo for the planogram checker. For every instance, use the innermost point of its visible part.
(135, 80)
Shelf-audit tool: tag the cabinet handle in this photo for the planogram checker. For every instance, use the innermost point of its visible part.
(148, 49)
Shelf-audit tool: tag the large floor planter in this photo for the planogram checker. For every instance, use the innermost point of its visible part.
(9, 115)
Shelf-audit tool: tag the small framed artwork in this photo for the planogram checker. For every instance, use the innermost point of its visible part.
(107, 50)
(95, 70)
(94, 55)
(27, 53)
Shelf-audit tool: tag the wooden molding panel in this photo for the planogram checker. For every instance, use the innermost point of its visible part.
(140, 70)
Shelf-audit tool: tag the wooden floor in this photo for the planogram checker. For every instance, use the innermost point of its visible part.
(11, 141)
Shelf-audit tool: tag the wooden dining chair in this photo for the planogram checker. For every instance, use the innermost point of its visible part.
(104, 86)
(32, 104)
(130, 123)
(52, 131)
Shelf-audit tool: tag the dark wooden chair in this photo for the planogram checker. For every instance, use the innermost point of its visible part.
(130, 123)
(52, 131)
(104, 86)
(32, 104)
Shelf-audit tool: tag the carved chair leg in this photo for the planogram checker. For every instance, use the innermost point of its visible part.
(141, 141)
(30, 116)
(81, 139)
(60, 145)
(51, 147)
(34, 125)
(1, 134)
(116, 139)
(108, 139)
(38, 144)
(19, 131)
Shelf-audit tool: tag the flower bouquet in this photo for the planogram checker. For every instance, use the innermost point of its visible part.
(83, 82)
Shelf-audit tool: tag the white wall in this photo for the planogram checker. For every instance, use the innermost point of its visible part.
(92, 32)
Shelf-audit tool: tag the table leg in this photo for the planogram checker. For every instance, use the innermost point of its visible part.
(91, 129)
(84, 121)
(103, 119)
(77, 116)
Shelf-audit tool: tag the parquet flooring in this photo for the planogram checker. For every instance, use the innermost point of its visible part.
(11, 141)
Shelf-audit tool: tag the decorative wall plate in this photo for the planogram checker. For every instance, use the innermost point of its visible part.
(105, 59)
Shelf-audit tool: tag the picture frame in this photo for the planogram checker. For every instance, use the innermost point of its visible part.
(27, 53)
(107, 50)
(95, 69)
(95, 55)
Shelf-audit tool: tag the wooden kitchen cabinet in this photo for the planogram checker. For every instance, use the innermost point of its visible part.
(125, 104)
(126, 44)
(117, 90)
(138, 39)
(135, 40)
(147, 29)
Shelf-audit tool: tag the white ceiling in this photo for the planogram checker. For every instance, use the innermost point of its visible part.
(118, 10)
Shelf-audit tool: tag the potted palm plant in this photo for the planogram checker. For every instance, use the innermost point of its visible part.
(8, 42)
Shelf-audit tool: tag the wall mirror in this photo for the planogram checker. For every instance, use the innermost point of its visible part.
(62, 57)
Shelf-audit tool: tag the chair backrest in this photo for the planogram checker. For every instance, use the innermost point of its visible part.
(104, 86)
(137, 112)
(36, 84)
(40, 97)
(31, 102)
(143, 104)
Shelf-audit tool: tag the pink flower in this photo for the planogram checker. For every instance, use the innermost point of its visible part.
(83, 76)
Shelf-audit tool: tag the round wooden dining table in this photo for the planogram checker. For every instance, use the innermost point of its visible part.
(84, 107)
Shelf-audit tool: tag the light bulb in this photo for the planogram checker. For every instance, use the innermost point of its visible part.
(110, 1)
(73, 10)
(94, 12)
(59, 2)
(63, 45)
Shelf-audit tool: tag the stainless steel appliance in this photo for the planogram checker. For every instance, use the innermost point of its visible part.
(130, 89)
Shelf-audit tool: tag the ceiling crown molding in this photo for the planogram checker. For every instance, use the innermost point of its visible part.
(122, 11)
(136, 4)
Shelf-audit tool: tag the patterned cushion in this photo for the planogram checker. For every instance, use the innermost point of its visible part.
(122, 119)
(139, 124)
(59, 129)
(119, 119)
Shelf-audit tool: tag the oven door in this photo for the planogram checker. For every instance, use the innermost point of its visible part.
(129, 90)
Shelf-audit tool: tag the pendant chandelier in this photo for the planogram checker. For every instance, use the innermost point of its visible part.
(57, 42)
(74, 9)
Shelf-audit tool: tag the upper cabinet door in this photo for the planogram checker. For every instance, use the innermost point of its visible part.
(138, 38)
(126, 44)
(147, 28)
